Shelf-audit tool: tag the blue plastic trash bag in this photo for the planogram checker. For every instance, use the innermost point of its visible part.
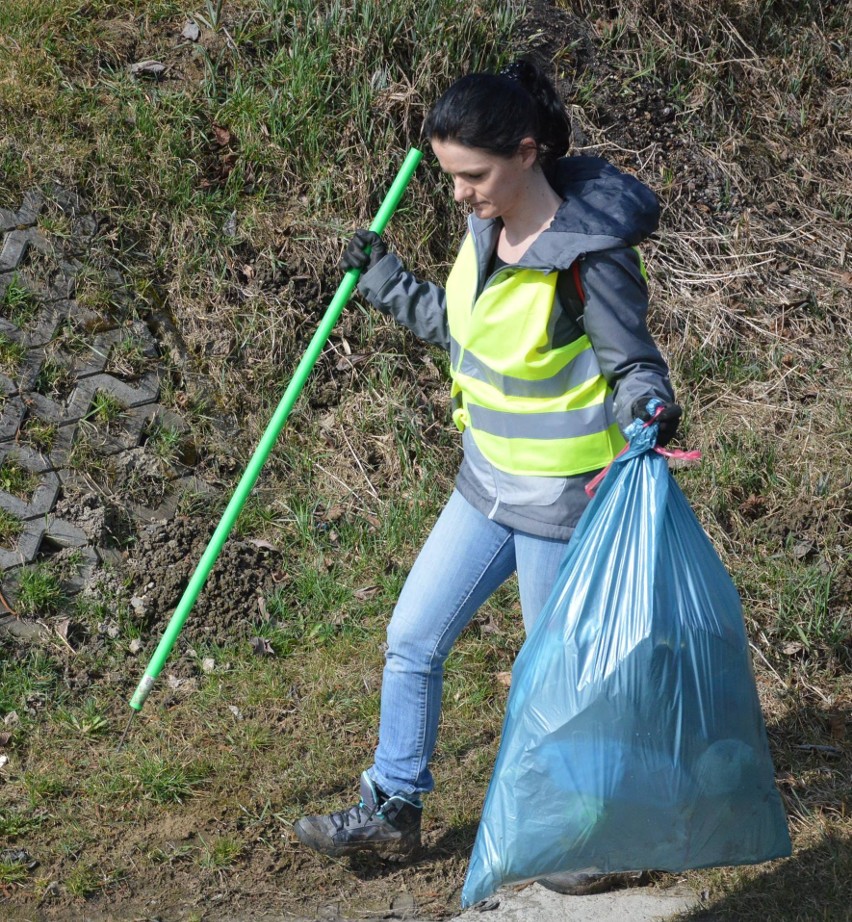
(633, 736)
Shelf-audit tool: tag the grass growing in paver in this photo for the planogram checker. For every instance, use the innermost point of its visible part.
(18, 304)
(10, 529)
(54, 378)
(39, 434)
(16, 479)
(127, 358)
(106, 409)
(166, 442)
(11, 355)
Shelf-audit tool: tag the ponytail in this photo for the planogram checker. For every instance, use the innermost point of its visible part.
(495, 112)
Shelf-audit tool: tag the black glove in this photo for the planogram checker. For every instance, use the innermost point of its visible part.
(365, 249)
(667, 421)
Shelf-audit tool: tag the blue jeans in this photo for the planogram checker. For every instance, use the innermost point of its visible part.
(465, 559)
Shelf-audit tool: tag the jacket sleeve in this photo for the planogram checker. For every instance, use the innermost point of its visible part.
(420, 306)
(616, 307)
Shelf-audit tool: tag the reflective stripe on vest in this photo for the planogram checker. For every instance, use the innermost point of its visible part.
(532, 408)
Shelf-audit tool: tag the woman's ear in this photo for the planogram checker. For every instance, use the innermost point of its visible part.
(528, 152)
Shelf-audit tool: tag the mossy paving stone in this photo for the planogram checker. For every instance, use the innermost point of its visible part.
(117, 448)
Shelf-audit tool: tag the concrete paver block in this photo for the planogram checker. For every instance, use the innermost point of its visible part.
(13, 250)
(12, 413)
(26, 548)
(8, 220)
(91, 363)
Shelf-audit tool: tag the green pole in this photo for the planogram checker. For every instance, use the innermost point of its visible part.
(273, 430)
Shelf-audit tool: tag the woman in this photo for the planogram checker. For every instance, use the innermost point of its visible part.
(543, 314)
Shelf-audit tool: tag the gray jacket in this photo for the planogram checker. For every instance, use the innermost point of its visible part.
(605, 214)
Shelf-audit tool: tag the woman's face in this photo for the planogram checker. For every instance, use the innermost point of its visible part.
(492, 185)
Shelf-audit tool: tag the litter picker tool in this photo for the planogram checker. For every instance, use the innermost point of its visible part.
(273, 430)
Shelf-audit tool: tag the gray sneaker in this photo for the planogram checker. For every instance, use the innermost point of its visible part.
(379, 823)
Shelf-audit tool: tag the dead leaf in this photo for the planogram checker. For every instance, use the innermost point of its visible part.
(837, 726)
(261, 647)
(259, 542)
(792, 648)
(803, 549)
(153, 69)
(366, 593)
(5, 739)
(504, 678)
(221, 135)
(238, 714)
(191, 32)
(350, 361)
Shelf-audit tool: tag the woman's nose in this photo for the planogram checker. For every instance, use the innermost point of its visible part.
(461, 190)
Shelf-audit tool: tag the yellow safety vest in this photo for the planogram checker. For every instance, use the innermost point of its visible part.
(532, 408)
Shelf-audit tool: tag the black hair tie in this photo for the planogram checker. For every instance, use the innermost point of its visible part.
(517, 70)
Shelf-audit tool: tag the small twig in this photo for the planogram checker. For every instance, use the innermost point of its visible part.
(360, 466)
(8, 607)
(126, 729)
(769, 665)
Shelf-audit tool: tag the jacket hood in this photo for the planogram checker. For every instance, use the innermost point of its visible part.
(603, 209)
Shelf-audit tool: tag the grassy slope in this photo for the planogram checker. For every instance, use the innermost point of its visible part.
(226, 189)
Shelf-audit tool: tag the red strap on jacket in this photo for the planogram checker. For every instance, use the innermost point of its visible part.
(575, 271)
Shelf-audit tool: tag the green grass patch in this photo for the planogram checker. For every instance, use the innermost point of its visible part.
(54, 378)
(12, 873)
(10, 529)
(11, 355)
(221, 853)
(167, 780)
(40, 591)
(18, 304)
(127, 358)
(106, 409)
(14, 825)
(39, 434)
(16, 479)
(23, 675)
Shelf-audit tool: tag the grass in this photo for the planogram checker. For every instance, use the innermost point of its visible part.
(127, 358)
(16, 479)
(39, 434)
(166, 442)
(10, 528)
(18, 305)
(54, 379)
(106, 409)
(221, 853)
(11, 355)
(40, 591)
(166, 781)
(225, 191)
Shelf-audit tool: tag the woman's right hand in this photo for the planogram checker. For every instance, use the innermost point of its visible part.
(365, 249)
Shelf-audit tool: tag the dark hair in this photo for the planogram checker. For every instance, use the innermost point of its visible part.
(496, 112)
